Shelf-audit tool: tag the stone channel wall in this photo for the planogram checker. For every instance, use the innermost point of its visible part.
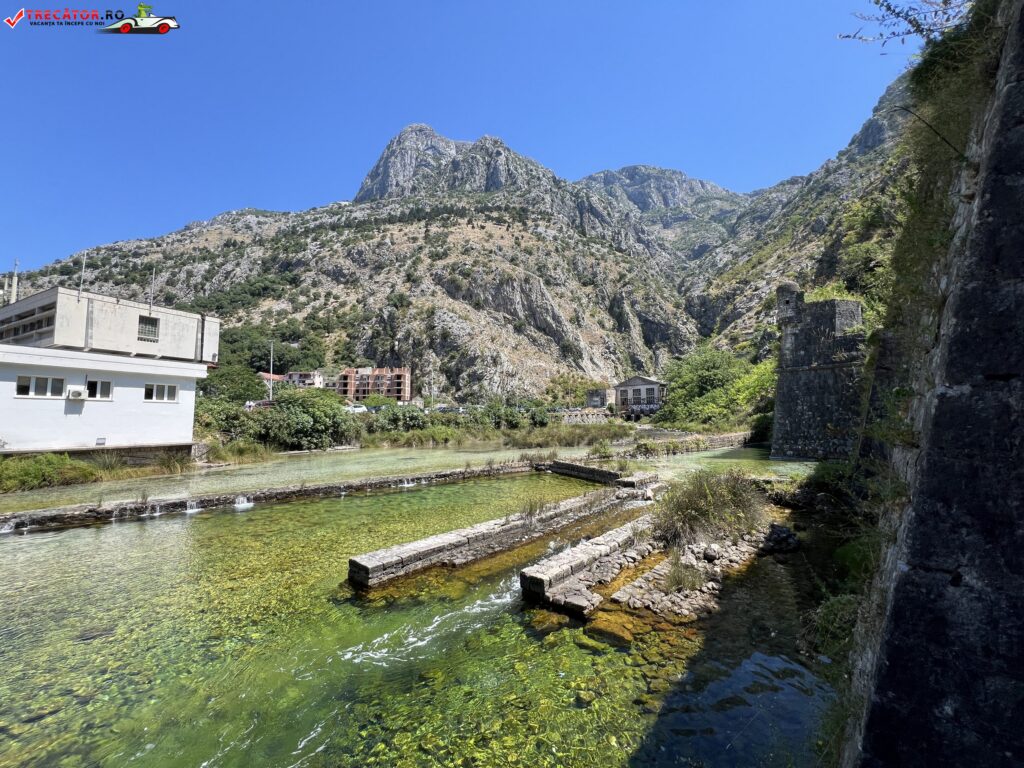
(467, 544)
(584, 472)
(551, 580)
(87, 514)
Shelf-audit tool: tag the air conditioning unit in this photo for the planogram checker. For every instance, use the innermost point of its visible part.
(76, 393)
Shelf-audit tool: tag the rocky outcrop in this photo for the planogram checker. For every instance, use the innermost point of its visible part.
(413, 163)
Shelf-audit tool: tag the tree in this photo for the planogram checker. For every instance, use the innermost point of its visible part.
(234, 383)
(570, 389)
(306, 419)
(927, 19)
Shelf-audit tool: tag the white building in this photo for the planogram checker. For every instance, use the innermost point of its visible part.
(639, 396)
(305, 379)
(60, 317)
(60, 392)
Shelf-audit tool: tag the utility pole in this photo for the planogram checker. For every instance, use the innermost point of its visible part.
(271, 370)
(152, 286)
(14, 283)
(81, 282)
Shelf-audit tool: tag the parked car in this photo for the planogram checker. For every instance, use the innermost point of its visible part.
(356, 408)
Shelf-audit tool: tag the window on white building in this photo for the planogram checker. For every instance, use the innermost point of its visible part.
(98, 390)
(39, 386)
(149, 328)
(161, 393)
(650, 396)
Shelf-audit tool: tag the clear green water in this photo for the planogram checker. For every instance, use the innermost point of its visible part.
(225, 639)
(752, 461)
(311, 468)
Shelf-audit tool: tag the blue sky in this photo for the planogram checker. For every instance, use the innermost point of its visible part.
(286, 106)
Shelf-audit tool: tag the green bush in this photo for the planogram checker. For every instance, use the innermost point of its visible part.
(306, 419)
(23, 473)
(234, 383)
(711, 388)
(555, 435)
(707, 505)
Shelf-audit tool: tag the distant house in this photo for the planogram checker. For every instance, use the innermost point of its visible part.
(305, 379)
(357, 384)
(600, 398)
(82, 371)
(639, 396)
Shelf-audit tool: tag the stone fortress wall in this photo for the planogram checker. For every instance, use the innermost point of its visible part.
(817, 399)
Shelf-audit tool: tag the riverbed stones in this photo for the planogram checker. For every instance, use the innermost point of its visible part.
(779, 539)
(650, 592)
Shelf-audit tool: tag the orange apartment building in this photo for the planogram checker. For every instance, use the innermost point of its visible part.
(357, 384)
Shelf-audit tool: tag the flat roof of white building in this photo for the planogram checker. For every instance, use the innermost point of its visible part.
(47, 357)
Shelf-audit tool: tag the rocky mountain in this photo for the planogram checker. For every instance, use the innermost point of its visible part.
(488, 273)
(691, 215)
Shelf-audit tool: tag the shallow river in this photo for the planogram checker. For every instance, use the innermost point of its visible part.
(229, 639)
(308, 468)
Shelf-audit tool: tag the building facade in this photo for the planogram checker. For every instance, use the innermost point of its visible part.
(65, 319)
(600, 398)
(305, 379)
(639, 396)
(87, 373)
(817, 397)
(356, 384)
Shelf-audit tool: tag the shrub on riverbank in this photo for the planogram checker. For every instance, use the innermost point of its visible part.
(239, 452)
(708, 505)
(555, 435)
(24, 473)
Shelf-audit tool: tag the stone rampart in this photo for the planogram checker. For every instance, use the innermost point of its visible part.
(817, 398)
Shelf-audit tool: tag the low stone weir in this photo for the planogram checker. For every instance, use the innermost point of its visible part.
(468, 544)
(584, 472)
(563, 580)
(88, 514)
(693, 443)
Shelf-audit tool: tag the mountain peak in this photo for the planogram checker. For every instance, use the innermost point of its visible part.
(419, 161)
(408, 165)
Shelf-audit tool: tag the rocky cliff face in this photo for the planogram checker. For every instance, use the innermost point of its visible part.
(480, 266)
(941, 662)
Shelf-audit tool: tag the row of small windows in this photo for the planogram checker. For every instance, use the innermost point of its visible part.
(164, 393)
(39, 386)
(32, 325)
(52, 386)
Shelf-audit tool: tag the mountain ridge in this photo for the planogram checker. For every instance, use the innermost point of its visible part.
(481, 266)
